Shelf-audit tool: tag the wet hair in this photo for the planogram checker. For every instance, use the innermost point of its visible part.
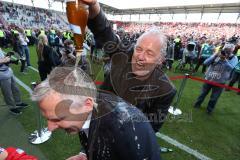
(69, 82)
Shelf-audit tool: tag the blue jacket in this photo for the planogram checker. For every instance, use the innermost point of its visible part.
(219, 70)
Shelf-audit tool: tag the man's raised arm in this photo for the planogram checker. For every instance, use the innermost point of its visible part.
(99, 25)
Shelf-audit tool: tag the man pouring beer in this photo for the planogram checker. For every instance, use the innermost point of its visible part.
(136, 76)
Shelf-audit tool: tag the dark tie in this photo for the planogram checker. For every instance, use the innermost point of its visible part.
(83, 139)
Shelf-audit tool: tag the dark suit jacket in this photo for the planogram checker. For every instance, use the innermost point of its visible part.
(119, 131)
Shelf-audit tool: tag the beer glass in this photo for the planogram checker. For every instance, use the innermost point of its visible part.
(77, 14)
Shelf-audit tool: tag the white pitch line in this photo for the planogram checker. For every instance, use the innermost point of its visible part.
(27, 88)
(33, 68)
(182, 146)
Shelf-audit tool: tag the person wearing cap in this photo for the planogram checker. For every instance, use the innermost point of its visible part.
(189, 55)
(106, 124)
(218, 72)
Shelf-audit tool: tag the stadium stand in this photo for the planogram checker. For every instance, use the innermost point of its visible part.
(26, 16)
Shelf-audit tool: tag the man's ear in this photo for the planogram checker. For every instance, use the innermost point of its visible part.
(88, 104)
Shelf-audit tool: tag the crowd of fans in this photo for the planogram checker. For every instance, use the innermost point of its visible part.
(27, 16)
(212, 30)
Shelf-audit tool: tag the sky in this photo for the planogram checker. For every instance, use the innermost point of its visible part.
(226, 17)
(126, 4)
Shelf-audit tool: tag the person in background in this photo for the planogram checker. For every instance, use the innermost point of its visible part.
(235, 77)
(24, 45)
(47, 57)
(232, 59)
(58, 42)
(170, 53)
(10, 91)
(206, 51)
(17, 49)
(237, 50)
(177, 47)
(219, 72)
(189, 55)
(2, 37)
(68, 55)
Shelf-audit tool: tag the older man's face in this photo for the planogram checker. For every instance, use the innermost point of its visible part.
(57, 112)
(146, 55)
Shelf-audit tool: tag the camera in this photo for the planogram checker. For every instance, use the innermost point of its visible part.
(10, 54)
(223, 52)
(191, 46)
(233, 40)
(226, 52)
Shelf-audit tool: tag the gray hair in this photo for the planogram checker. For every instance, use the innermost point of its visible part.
(70, 82)
(162, 37)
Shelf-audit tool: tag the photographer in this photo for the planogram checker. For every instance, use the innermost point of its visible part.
(68, 55)
(189, 55)
(10, 91)
(219, 72)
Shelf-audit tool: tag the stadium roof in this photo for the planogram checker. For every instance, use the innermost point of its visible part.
(169, 6)
(126, 4)
(231, 6)
(155, 7)
(148, 6)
